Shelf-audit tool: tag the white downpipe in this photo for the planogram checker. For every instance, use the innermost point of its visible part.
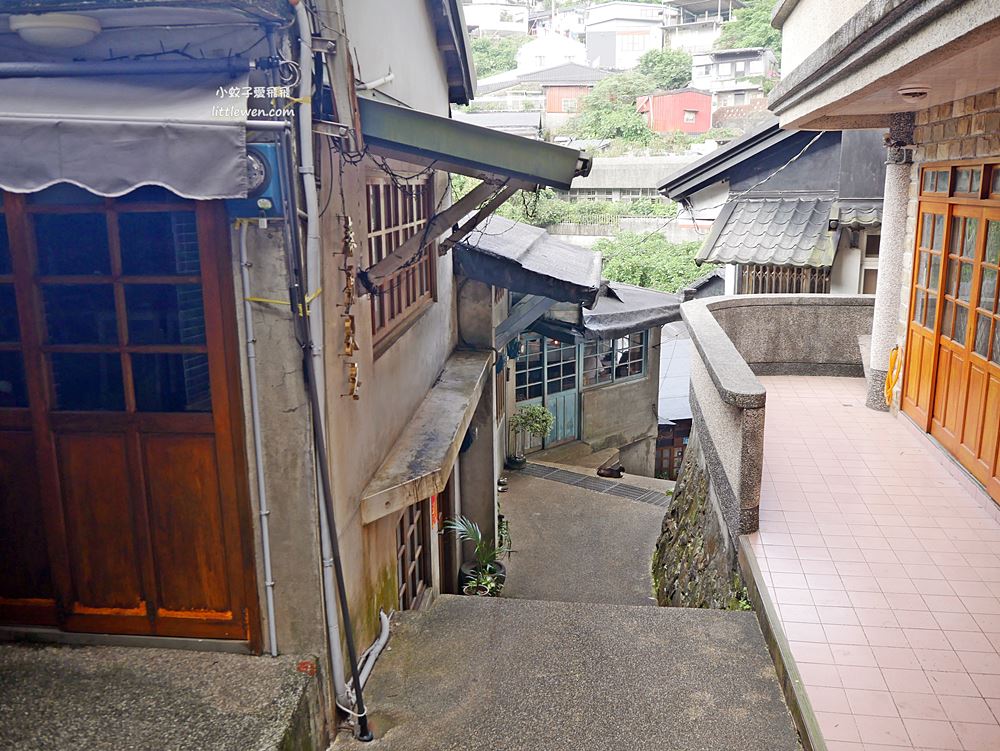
(258, 451)
(371, 654)
(313, 282)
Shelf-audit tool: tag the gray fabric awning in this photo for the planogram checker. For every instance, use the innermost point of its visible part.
(774, 231)
(527, 259)
(625, 308)
(111, 134)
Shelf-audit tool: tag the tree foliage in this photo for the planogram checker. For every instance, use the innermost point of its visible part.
(492, 55)
(670, 69)
(650, 261)
(751, 27)
(608, 111)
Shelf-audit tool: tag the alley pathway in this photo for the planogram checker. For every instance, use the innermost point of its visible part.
(572, 657)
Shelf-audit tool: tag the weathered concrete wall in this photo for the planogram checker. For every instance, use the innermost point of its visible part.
(623, 415)
(694, 563)
(287, 448)
(797, 334)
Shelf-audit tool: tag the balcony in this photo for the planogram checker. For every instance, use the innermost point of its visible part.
(872, 559)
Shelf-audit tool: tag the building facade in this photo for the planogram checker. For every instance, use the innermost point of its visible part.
(490, 18)
(735, 77)
(619, 33)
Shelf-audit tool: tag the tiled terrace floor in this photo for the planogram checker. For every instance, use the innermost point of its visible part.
(884, 564)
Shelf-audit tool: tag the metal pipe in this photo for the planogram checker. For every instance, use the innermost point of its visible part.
(341, 692)
(231, 65)
(258, 450)
(314, 339)
(267, 125)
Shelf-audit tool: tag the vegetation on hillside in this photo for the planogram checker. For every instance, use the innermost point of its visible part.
(650, 261)
(751, 27)
(608, 111)
(492, 55)
(668, 68)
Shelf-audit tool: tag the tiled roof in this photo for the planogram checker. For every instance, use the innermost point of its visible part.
(866, 215)
(777, 231)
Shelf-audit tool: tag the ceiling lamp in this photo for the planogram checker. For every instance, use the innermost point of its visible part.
(914, 93)
(55, 30)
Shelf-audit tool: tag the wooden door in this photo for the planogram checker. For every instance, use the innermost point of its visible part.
(921, 347)
(131, 440)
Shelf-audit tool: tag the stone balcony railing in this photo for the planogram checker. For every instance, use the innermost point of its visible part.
(738, 338)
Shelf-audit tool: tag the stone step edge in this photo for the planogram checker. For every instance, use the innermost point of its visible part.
(806, 723)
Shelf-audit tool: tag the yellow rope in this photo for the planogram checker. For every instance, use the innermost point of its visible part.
(270, 301)
(892, 377)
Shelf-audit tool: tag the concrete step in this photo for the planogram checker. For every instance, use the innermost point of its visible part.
(520, 675)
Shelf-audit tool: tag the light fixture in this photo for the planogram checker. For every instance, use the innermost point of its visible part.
(913, 93)
(55, 30)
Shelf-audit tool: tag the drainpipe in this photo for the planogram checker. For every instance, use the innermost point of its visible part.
(315, 372)
(892, 248)
(265, 534)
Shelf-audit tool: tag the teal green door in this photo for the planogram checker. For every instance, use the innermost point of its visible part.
(547, 373)
(561, 391)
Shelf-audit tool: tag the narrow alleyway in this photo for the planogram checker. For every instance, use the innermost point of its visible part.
(571, 656)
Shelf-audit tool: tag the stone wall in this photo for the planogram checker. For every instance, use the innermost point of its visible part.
(694, 564)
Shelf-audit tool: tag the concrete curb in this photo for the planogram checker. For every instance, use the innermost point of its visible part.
(781, 653)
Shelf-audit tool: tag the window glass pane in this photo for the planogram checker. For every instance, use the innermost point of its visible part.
(88, 382)
(9, 329)
(963, 180)
(988, 288)
(971, 230)
(995, 186)
(938, 233)
(965, 282)
(993, 240)
(931, 310)
(955, 240)
(941, 183)
(72, 244)
(982, 342)
(159, 243)
(928, 181)
(961, 322)
(5, 267)
(935, 271)
(977, 180)
(80, 313)
(13, 391)
(948, 319)
(995, 350)
(171, 383)
(165, 314)
(951, 287)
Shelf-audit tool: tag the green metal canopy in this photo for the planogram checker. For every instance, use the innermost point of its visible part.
(467, 149)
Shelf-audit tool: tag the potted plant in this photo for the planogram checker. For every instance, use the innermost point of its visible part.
(485, 574)
(530, 419)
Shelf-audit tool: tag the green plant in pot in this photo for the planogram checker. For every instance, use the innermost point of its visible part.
(529, 419)
(485, 574)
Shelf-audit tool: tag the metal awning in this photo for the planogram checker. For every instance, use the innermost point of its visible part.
(111, 134)
(527, 259)
(773, 231)
(422, 457)
(467, 149)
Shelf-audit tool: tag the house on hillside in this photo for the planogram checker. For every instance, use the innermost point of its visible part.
(734, 77)
(548, 49)
(233, 364)
(813, 226)
(619, 33)
(566, 19)
(495, 18)
(555, 91)
(687, 110)
(525, 124)
(695, 25)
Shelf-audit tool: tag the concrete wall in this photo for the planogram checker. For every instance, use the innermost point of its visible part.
(808, 25)
(736, 337)
(389, 35)
(624, 415)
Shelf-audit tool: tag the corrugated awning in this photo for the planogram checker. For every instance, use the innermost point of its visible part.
(112, 134)
(625, 308)
(773, 231)
(528, 259)
(421, 458)
(463, 148)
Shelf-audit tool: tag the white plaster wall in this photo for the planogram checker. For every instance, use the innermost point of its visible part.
(845, 277)
(388, 34)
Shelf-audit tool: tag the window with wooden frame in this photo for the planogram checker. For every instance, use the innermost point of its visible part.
(951, 382)
(413, 554)
(500, 387)
(764, 279)
(398, 210)
(607, 361)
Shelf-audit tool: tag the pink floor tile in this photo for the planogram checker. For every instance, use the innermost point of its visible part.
(926, 733)
(978, 737)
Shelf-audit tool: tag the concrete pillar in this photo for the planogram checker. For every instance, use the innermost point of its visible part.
(891, 250)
